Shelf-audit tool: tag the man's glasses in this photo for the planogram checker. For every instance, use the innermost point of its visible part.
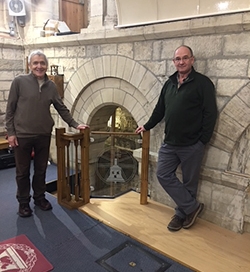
(184, 59)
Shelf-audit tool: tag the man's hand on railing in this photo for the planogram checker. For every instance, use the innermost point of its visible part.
(140, 129)
(82, 126)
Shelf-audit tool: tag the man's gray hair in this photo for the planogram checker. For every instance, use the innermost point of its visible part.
(38, 53)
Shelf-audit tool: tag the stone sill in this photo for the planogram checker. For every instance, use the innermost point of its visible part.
(228, 179)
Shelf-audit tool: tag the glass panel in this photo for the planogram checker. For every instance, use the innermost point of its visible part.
(113, 169)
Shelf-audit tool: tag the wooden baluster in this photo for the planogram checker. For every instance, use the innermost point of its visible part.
(144, 167)
(85, 184)
(68, 187)
(76, 172)
(60, 143)
(112, 151)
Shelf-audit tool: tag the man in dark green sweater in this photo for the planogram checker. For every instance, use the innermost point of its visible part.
(187, 103)
(29, 125)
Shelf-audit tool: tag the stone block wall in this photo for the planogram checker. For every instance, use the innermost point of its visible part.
(127, 68)
(12, 63)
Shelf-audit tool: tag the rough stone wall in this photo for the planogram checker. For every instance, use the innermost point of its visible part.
(127, 67)
(12, 63)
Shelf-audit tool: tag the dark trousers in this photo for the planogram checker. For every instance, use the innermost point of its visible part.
(40, 145)
(190, 159)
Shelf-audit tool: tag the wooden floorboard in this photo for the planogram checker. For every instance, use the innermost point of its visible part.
(204, 247)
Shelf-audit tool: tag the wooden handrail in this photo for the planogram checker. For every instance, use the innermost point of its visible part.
(4, 144)
(82, 188)
(113, 133)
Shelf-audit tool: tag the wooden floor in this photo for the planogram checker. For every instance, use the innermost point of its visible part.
(204, 247)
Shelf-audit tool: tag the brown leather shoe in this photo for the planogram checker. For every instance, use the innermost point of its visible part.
(43, 204)
(190, 218)
(24, 210)
(176, 223)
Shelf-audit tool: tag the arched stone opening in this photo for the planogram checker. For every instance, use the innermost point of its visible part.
(114, 80)
(226, 173)
(105, 83)
(240, 159)
(113, 166)
(231, 133)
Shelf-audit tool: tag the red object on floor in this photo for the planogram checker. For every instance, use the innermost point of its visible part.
(19, 254)
(32, 154)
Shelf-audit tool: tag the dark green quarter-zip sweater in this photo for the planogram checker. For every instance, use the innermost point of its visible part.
(28, 108)
(189, 111)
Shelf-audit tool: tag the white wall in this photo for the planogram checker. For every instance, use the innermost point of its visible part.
(131, 12)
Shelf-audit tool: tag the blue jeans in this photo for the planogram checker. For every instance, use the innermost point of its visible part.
(190, 159)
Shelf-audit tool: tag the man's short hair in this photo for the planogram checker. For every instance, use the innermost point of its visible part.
(38, 53)
(189, 48)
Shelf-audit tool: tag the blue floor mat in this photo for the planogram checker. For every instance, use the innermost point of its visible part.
(73, 241)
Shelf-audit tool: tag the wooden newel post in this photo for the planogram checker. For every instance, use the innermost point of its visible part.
(60, 165)
(85, 183)
(144, 167)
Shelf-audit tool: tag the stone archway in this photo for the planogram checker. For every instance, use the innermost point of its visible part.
(113, 80)
(102, 84)
(231, 132)
(240, 159)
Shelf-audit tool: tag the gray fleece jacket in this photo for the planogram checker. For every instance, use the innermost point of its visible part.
(28, 108)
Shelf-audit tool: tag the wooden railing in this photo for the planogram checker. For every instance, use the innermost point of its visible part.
(81, 182)
(4, 144)
(81, 185)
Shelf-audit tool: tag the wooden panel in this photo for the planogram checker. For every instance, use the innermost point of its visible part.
(58, 79)
(74, 14)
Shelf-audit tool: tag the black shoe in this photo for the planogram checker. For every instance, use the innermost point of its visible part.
(43, 204)
(176, 223)
(24, 210)
(190, 218)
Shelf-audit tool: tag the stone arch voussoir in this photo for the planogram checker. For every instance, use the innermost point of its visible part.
(125, 69)
(113, 80)
(232, 123)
